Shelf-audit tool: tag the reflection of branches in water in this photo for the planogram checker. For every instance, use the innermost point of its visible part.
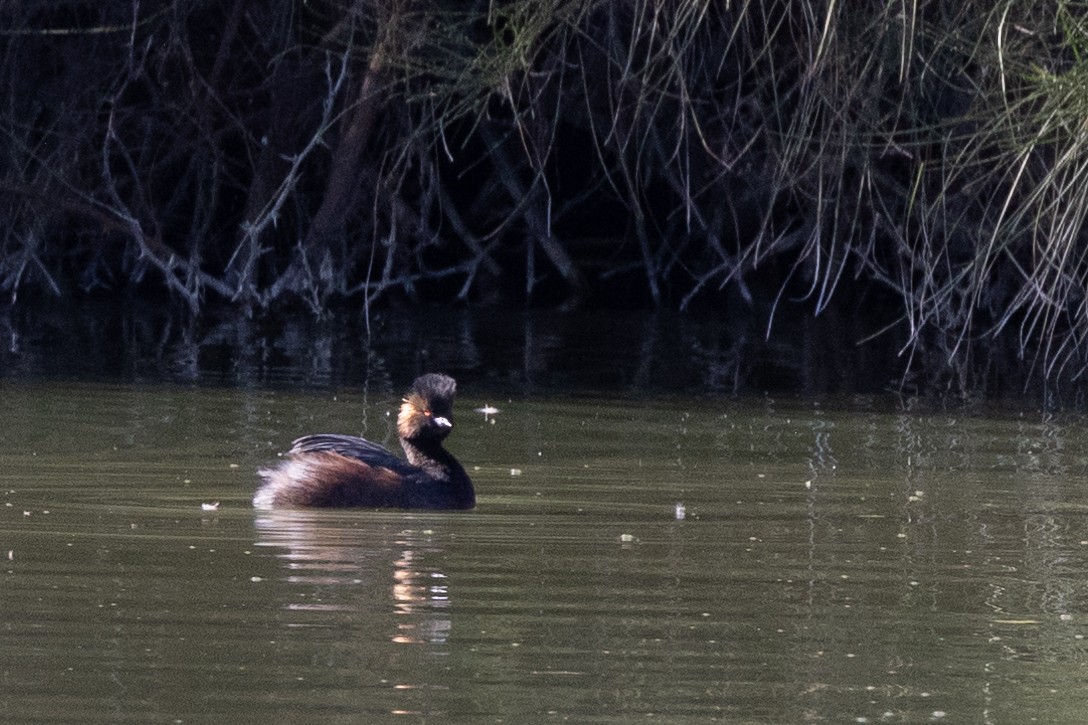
(822, 456)
(648, 352)
(341, 562)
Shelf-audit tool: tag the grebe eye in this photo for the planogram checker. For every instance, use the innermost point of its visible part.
(427, 413)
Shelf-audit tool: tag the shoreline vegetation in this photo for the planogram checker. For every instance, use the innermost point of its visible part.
(917, 165)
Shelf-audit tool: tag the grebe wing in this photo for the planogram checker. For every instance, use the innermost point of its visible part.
(374, 454)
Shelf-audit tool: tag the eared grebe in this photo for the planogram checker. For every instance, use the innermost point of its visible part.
(338, 470)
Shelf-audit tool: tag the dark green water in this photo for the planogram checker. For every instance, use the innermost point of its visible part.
(839, 564)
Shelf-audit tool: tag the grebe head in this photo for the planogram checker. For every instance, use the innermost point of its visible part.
(426, 413)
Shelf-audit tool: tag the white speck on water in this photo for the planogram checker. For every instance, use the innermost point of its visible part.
(488, 410)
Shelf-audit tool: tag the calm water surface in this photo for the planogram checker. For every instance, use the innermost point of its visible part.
(662, 559)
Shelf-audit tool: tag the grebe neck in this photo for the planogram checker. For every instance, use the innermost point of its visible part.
(431, 457)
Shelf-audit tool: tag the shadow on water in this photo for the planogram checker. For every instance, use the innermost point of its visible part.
(512, 350)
